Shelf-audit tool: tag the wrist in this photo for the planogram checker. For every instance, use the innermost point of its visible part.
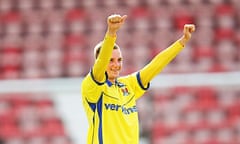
(183, 41)
(111, 33)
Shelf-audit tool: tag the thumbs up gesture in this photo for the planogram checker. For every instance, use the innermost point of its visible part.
(114, 22)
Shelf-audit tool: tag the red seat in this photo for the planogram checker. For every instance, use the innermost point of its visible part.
(183, 16)
(11, 55)
(75, 14)
(74, 40)
(203, 51)
(139, 12)
(159, 130)
(53, 127)
(234, 112)
(76, 20)
(10, 72)
(221, 34)
(9, 130)
(13, 22)
(218, 68)
(206, 98)
(225, 9)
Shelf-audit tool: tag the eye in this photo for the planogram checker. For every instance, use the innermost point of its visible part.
(120, 59)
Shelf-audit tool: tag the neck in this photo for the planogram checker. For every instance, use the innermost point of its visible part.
(112, 81)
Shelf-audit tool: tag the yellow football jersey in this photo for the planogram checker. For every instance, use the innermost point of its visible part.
(111, 109)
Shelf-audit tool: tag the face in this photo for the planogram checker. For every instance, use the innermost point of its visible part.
(115, 65)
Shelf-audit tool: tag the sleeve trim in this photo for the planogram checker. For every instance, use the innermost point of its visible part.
(140, 82)
(99, 83)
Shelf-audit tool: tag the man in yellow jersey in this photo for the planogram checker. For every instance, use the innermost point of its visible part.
(110, 100)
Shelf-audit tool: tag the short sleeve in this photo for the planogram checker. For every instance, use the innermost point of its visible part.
(134, 81)
(91, 89)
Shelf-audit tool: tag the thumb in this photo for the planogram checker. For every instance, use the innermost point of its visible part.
(124, 17)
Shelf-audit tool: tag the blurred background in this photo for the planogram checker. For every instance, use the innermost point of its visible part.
(46, 48)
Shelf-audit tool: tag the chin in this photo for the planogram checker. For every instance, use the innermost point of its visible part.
(114, 76)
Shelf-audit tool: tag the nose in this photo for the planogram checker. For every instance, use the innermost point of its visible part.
(116, 63)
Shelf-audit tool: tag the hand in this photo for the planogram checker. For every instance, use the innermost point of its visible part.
(187, 33)
(114, 22)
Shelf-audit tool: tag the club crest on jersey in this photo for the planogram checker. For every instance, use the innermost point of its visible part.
(123, 89)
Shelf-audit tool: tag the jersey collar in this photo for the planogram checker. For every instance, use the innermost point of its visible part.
(109, 83)
(119, 84)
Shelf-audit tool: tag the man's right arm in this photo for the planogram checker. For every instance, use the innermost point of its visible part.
(90, 86)
(100, 65)
(99, 68)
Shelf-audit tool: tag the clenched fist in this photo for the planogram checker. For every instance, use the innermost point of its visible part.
(114, 22)
(187, 33)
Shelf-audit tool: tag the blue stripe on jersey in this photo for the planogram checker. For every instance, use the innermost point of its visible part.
(140, 82)
(99, 108)
(99, 83)
(92, 105)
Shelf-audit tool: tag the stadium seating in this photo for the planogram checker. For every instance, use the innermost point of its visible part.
(152, 28)
(192, 115)
(55, 39)
(29, 118)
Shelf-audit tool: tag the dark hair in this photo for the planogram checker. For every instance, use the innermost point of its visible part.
(98, 48)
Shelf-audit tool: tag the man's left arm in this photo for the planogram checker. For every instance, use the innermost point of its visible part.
(163, 58)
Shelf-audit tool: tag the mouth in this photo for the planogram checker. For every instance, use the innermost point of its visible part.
(115, 70)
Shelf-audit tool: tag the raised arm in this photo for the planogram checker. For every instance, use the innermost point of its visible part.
(163, 58)
(114, 23)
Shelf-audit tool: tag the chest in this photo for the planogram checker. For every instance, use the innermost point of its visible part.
(119, 99)
(116, 93)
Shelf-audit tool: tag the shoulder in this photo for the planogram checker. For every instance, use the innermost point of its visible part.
(131, 78)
